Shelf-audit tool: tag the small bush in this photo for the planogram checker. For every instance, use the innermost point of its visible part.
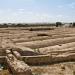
(58, 24)
(42, 34)
(73, 24)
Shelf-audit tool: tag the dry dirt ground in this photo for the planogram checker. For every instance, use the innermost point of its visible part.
(67, 68)
(42, 40)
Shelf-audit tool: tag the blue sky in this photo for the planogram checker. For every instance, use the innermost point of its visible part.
(32, 11)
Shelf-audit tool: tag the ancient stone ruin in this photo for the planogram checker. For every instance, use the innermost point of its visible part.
(24, 49)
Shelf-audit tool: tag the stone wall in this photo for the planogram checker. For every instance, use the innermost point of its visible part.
(57, 48)
(37, 60)
(46, 43)
(49, 59)
(16, 66)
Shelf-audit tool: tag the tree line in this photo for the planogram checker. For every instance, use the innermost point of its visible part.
(57, 24)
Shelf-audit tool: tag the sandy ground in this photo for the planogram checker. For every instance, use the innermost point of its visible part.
(67, 68)
(14, 36)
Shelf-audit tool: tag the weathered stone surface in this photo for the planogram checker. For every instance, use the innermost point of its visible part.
(8, 51)
(17, 67)
(17, 55)
(64, 57)
(37, 60)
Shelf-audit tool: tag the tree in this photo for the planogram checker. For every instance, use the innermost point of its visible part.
(58, 24)
(73, 24)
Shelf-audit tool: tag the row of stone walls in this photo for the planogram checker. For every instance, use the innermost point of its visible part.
(46, 43)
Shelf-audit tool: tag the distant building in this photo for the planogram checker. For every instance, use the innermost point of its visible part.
(67, 25)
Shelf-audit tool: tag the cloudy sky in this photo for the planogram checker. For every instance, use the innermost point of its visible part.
(37, 11)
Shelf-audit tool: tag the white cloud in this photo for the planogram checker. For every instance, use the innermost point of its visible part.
(28, 1)
(60, 6)
(72, 5)
(20, 15)
(21, 9)
(59, 16)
